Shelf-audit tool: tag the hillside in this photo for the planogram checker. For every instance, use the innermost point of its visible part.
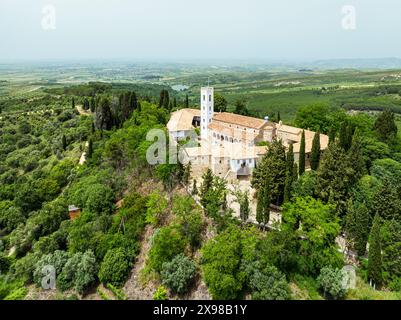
(139, 234)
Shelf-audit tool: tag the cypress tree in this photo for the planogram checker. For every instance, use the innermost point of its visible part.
(272, 168)
(315, 153)
(266, 204)
(345, 136)
(244, 207)
(161, 99)
(175, 103)
(375, 254)
(86, 104)
(259, 206)
(385, 126)
(356, 158)
(186, 101)
(194, 189)
(73, 103)
(386, 201)
(207, 182)
(295, 172)
(335, 176)
(166, 100)
(358, 225)
(133, 101)
(287, 187)
(93, 105)
(289, 178)
(302, 154)
(290, 157)
(64, 142)
(278, 116)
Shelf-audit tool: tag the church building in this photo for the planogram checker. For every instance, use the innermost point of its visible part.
(230, 144)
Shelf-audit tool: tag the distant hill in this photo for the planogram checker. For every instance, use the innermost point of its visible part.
(381, 63)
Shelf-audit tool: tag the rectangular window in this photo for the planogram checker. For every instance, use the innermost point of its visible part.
(210, 97)
(204, 97)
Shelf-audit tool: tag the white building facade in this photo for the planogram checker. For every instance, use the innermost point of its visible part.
(207, 110)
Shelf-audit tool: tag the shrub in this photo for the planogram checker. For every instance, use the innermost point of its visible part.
(221, 259)
(57, 260)
(79, 272)
(268, 283)
(331, 281)
(115, 267)
(178, 273)
(160, 294)
(167, 243)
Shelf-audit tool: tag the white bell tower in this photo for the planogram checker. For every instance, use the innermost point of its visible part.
(207, 109)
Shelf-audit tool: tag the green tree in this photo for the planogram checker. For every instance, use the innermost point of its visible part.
(358, 224)
(186, 104)
(207, 183)
(391, 253)
(64, 142)
(315, 153)
(178, 273)
(115, 267)
(194, 188)
(241, 108)
(385, 126)
(90, 149)
(301, 164)
(335, 176)
(267, 282)
(272, 168)
(356, 156)
(315, 223)
(331, 282)
(243, 200)
(156, 208)
(220, 103)
(221, 260)
(375, 267)
(386, 202)
(167, 243)
(263, 204)
(79, 272)
(289, 179)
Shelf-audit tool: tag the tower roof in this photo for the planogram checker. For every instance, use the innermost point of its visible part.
(181, 120)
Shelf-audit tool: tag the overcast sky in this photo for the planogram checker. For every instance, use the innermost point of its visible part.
(195, 29)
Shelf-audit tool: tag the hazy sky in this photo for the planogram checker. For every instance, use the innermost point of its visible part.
(195, 29)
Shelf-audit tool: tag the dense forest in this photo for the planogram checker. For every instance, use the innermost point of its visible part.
(352, 191)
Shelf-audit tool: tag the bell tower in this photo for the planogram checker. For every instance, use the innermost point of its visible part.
(207, 109)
